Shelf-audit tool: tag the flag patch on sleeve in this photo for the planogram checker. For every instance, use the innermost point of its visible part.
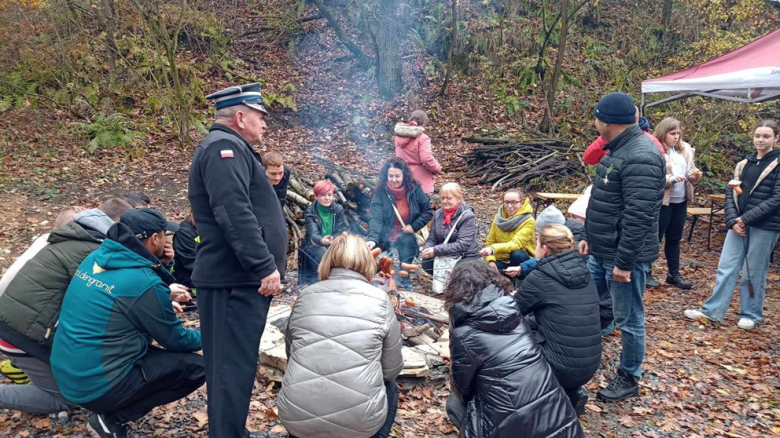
(227, 153)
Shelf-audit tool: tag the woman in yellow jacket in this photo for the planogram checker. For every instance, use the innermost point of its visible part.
(511, 238)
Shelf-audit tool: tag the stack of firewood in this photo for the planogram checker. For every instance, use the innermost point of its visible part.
(516, 164)
(352, 190)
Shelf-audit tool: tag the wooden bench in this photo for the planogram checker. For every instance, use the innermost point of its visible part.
(549, 198)
(695, 212)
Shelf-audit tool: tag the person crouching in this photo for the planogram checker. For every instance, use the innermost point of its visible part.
(344, 351)
(324, 220)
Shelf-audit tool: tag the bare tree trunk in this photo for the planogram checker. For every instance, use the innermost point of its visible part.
(389, 77)
(363, 60)
(547, 124)
(666, 17)
(109, 23)
(453, 43)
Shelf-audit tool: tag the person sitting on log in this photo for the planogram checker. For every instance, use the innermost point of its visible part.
(414, 146)
(455, 214)
(324, 220)
(399, 209)
(562, 296)
(345, 386)
(511, 238)
(500, 382)
(279, 175)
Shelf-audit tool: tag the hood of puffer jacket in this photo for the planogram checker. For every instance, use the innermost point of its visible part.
(71, 231)
(492, 310)
(771, 155)
(123, 250)
(94, 219)
(407, 131)
(567, 268)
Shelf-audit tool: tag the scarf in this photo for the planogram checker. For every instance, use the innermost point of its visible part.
(507, 225)
(402, 203)
(448, 214)
(326, 216)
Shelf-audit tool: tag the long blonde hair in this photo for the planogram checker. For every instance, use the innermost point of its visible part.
(666, 126)
(348, 252)
(557, 238)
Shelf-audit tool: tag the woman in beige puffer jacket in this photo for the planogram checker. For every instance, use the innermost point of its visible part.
(344, 351)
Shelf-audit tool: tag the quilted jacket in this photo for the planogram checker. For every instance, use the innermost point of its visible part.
(763, 204)
(621, 223)
(499, 373)
(343, 342)
(414, 147)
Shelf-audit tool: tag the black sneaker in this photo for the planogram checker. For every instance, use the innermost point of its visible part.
(650, 282)
(675, 279)
(579, 399)
(105, 426)
(624, 386)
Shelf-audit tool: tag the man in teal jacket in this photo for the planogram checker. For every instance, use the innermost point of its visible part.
(118, 300)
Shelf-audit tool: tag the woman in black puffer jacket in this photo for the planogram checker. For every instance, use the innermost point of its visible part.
(565, 303)
(501, 385)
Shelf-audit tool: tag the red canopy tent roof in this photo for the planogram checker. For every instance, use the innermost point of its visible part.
(748, 74)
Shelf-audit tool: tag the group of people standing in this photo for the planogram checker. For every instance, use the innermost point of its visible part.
(527, 308)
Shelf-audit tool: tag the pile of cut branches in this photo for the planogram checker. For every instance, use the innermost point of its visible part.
(517, 164)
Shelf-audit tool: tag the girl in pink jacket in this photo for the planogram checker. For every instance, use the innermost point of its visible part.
(414, 146)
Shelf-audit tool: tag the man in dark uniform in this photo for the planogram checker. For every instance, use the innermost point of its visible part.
(241, 255)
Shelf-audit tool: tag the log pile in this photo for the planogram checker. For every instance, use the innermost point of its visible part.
(517, 164)
(352, 190)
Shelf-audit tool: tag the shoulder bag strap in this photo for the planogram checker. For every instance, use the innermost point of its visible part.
(397, 214)
(453, 228)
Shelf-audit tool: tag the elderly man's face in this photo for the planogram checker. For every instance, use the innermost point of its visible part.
(252, 124)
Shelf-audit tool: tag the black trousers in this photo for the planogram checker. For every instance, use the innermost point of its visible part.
(158, 378)
(231, 324)
(671, 224)
(310, 256)
(391, 387)
(407, 247)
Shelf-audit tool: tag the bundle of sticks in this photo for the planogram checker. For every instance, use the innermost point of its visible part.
(518, 163)
(352, 191)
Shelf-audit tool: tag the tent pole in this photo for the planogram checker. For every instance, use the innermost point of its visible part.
(642, 106)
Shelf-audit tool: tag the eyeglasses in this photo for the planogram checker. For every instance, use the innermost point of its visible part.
(512, 202)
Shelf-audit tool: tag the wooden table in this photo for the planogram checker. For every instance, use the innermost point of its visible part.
(717, 206)
(549, 198)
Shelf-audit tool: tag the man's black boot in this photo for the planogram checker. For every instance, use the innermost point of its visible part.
(578, 398)
(105, 426)
(624, 386)
(650, 282)
(675, 279)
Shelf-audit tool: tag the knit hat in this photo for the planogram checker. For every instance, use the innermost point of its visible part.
(616, 108)
(549, 216)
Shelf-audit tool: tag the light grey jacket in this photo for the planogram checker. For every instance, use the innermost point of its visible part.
(343, 343)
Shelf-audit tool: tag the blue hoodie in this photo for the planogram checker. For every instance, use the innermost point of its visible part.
(118, 298)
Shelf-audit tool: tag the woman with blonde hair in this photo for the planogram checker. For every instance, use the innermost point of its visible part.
(454, 230)
(565, 303)
(344, 351)
(681, 175)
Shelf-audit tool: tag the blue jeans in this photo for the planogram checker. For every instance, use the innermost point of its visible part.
(628, 309)
(760, 244)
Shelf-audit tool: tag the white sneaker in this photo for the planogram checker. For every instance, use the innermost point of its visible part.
(746, 324)
(695, 315)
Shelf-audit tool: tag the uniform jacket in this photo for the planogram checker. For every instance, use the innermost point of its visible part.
(343, 342)
(763, 205)
(118, 298)
(463, 241)
(499, 373)
(504, 243)
(185, 243)
(690, 167)
(565, 303)
(622, 217)
(416, 151)
(243, 235)
(30, 307)
(313, 223)
(383, 217)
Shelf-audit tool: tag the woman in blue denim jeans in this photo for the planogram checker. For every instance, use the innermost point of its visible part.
(753, 218)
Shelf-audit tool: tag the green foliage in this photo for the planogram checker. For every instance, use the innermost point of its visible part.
(108, 132)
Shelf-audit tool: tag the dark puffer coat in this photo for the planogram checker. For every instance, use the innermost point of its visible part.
(622, 216)
(565, 303)
(763, 204)
(185, 243)
(499, 373)
(383, 217)
(314, 223)
(463, 241)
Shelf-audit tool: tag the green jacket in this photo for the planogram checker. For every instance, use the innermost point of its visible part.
(30, 306)
(118, 298)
